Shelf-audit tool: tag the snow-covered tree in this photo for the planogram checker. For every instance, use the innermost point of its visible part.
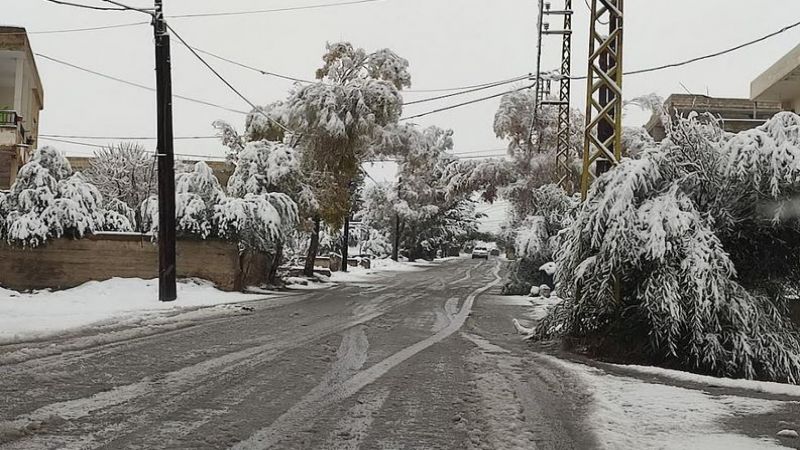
(257, 220)
(48, 201)
(429, 215)
(698, 268)
(123, 172)
(338, 119)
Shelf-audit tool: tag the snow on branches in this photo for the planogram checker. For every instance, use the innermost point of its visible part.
(675, 234)
(49, 201)
(258, 220)
(123, 172)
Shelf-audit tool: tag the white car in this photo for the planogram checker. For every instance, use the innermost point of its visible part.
(480, 252)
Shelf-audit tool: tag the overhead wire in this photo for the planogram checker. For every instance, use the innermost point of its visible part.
(195, 51)
(266, 11)
(470, 102)
(488, 86)
(226, 82)
(466, 89)
(125, 138)
(138, 85)
(81, 5)
(91, 145)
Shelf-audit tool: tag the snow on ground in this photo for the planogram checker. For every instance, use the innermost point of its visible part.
(362, 275)
(631, 413)
(45, 313)
(750, 385)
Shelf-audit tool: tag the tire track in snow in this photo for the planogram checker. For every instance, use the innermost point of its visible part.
(186, 383)
(445, 316)
(467, 274)
(305, 410)
(352, 428)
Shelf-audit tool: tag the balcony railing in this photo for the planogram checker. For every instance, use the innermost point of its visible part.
(8, 118)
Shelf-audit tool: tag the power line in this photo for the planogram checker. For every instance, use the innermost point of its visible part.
(255, 69)
(466, 89)
(492, 150)
(708, 56)
(265, 11)
(488, 86)
(125, 138)
(458, 105)
(88, 144)
(80, 5)
(134, 84)
(230, 86)
(77, 30)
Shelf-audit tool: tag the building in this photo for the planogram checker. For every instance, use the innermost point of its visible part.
(780, 83)
(734, 114)
(21, 100)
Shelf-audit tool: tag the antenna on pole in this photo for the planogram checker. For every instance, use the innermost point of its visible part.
(603, 135)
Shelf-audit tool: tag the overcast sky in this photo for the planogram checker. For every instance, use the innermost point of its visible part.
(448, 44)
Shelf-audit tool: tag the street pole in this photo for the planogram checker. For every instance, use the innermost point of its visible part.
(396, 243)
(167, 289)
(346, 242)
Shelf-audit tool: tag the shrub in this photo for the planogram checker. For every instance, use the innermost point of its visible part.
(658, 233)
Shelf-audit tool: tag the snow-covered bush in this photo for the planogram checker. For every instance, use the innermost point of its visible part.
(655, 264)
(257, 221)
(535, 237)
(202, 209)
(48, 201)
(125, 173)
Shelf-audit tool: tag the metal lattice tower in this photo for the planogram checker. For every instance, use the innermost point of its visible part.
(602, 142)
(563, 102)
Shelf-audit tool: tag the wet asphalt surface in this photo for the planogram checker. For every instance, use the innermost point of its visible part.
(424, 360)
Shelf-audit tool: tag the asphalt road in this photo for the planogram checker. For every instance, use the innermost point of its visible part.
(422, 360)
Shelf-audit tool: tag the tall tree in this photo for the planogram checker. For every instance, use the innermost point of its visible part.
(339, 118)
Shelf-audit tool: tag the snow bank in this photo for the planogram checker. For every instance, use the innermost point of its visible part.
(750, 385)
(361, 275)
(45, 313)
(630, 413)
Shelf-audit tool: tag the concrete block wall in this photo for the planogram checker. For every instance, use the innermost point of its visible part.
(65, 263)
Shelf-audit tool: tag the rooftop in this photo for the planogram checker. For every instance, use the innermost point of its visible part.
(781, 82)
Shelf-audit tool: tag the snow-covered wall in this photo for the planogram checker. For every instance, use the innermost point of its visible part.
(65, 263)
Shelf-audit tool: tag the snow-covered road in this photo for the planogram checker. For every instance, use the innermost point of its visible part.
(423, 359)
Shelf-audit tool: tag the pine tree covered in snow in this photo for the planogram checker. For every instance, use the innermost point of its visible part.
(682, 235)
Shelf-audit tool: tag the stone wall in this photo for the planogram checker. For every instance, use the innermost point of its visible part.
(65, 263)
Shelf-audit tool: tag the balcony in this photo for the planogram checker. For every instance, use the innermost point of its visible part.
(12, 134)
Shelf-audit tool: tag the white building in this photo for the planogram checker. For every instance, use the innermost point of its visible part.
(780, 83)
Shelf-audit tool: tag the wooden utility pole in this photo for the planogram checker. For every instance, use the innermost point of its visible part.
(603, 135)
(167, 289)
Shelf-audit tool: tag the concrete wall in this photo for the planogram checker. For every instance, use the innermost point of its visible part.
(65, 263)
(735, 114)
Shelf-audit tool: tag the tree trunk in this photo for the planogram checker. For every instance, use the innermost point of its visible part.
(396, 242)
(313, 248)
(345, 243)
(412, 249)
(276, 262)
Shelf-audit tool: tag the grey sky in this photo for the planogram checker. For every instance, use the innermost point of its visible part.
(448, 43)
